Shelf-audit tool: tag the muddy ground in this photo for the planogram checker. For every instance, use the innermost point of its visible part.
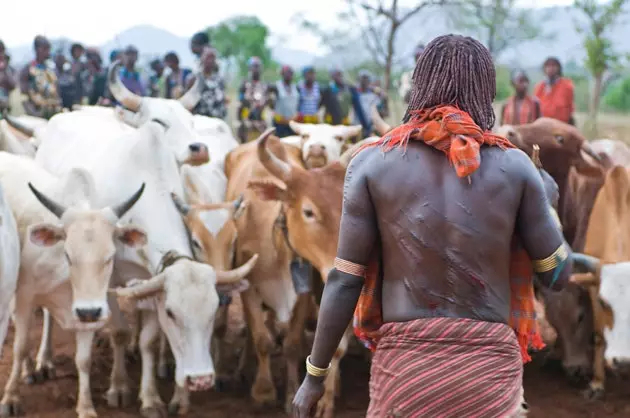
(547, 392)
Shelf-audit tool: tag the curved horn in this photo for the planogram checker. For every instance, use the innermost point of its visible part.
(590, 152)
(17, 125)
(346, 157)
(585, 263)
(121, 93)
(277, 167)
(123, 207)
(380, 125)
(190, 99)
(144, 289)
(57, 209)
(239, 273)
(181, 206)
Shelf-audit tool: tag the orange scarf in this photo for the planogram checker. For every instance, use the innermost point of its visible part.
(453, 132)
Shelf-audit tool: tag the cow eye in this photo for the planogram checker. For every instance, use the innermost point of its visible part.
(308, 213)
(169, 313)
(305, 136)
(559, 138)
(196, 244)
(339, 138)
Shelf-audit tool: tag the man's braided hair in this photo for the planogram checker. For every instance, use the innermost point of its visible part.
(458, 71)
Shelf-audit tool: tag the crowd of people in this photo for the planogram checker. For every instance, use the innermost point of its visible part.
(52, 82)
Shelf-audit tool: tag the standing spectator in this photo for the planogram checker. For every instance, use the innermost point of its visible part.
(383, 105)
(114, 56)
(77, 54)
(129, 75)
(338, 99)
(520, 108)
(157, 85)
(96, 78)
(367, 99)
(7, 78)
(67, 84)
(555, 93)
(284, 98)
(213, 101)
(178, 77)
(253, 98)
(406, 78)
(198, 42)
(38, 82)
(310, 97)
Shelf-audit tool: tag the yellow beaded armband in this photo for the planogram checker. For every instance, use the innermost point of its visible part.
(551, 262)
(316, 371)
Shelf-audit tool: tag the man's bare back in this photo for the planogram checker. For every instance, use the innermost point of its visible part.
(446, 242)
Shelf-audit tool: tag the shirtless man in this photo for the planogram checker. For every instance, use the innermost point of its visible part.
(449, 325)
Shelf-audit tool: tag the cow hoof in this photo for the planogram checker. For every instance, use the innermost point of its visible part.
(165, 371)
(40, 376)
(11, 409)
(119, 397)
(174, 409)
(264, 393)
(87, 413)
(593, 393)
(154, 412)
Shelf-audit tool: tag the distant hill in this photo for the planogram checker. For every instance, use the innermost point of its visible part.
(154, 42)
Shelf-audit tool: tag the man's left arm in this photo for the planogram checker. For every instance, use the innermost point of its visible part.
(357, 237)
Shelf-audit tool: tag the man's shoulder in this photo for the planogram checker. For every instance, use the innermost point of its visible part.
(515, 163)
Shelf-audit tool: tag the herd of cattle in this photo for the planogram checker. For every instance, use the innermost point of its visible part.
(143, 219)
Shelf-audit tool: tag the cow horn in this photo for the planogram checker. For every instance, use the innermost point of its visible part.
(121, 93)
(239, 273)
(181, 206)
(277, 167)
(380, 125)
(15, 124)
(585, 263)
(590, 152)
(122, 208)
(144, 289)
(190, 99)
(57, 209)
(348, 154)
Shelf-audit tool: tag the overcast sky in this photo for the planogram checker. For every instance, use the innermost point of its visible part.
(22, 20)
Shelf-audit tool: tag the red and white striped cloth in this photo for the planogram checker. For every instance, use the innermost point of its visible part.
(446, 367)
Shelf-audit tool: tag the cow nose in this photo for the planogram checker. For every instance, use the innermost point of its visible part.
(199, 383)
(195, 147)
(88, 314)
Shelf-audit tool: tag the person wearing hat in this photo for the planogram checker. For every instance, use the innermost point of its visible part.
(253, 99)
(284, 99)
(310, 97)
(38, 82)
(520, 108)
(555, 93)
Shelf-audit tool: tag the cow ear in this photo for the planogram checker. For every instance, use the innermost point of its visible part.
(239, 286)
(131, 236)
(46, 235)
(267, 190)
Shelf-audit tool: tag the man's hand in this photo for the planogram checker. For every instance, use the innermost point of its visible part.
(311, 391)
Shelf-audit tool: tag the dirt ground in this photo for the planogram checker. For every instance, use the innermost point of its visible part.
(548, 393)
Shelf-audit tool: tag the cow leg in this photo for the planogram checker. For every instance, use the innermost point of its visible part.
(293, 346)
(596, 386)
(152, 405)
(180, 403)
(45, 368)
(163, 369)
(83, 361)
(11, 402)
(326, 405)
(218, 336)
(136, 325)
(119, 393)
(263, 391)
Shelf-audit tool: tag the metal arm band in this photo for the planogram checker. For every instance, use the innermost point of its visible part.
(551, 262)
(316, 371)
(349, 267)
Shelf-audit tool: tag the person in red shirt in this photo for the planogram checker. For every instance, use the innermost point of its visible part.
(520, 108)
(556, 93)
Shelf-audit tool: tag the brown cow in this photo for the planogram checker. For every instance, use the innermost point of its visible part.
(608, 244)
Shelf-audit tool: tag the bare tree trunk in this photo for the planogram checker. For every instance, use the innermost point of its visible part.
(595, 101)
(389, 59)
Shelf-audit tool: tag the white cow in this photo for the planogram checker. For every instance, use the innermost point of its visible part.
(70, 279)
(186, 297)
(321, 143)
(9, 263)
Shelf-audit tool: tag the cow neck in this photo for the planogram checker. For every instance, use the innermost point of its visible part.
(169, 258)
(281, 223)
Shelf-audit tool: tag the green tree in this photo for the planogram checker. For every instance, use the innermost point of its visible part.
(240, 38)
(600, 53)
(499, 24)
(618, 95)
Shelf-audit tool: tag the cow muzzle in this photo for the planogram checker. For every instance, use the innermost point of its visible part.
(200, 383)
(198, 154)
(90, 313)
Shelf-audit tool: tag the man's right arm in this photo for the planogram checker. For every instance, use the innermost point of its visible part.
(24, 82)
(540, 232)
